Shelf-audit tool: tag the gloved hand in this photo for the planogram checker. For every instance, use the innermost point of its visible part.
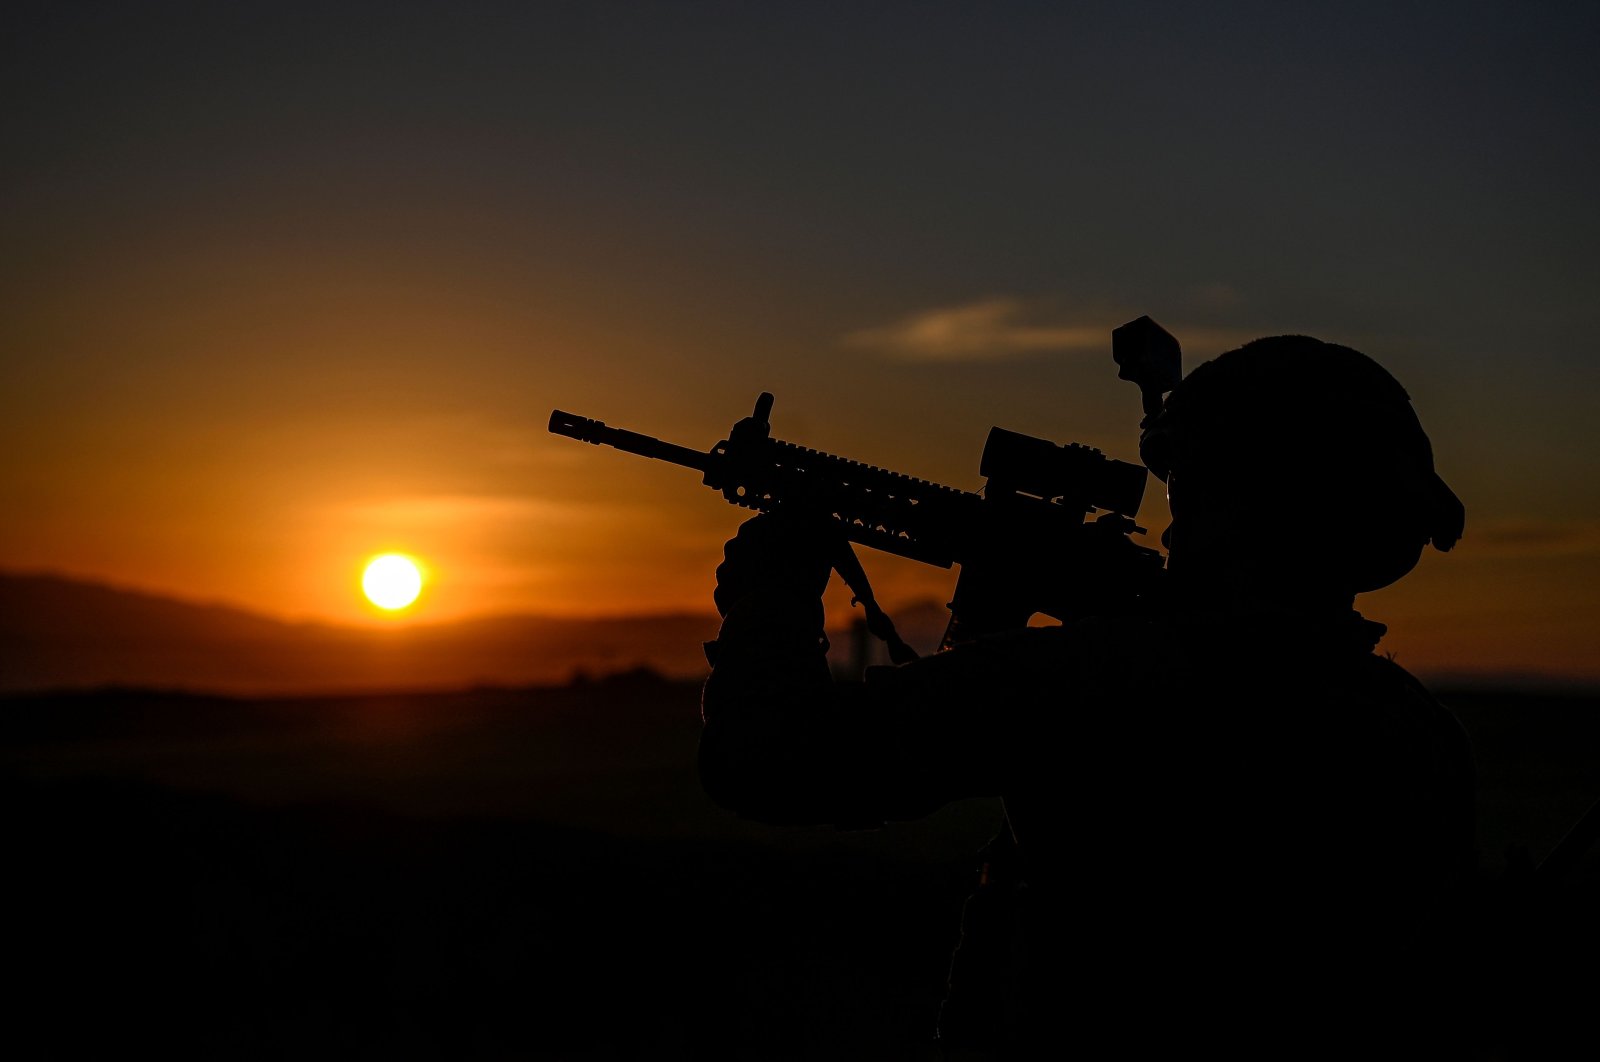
(772, 576)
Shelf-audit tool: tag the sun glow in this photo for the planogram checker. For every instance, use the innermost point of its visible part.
(392, 581)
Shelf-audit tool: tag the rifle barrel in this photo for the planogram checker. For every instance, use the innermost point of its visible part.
(597, 432)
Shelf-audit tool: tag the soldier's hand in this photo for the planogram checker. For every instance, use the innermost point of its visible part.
(777, 561)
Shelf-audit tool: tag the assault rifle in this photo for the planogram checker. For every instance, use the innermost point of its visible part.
(1024, 542)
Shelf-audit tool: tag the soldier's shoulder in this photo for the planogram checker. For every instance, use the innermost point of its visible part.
(1380, 678)
(1099, 652)
(1093, 637)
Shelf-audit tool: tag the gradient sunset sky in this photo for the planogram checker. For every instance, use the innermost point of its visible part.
(288, 285)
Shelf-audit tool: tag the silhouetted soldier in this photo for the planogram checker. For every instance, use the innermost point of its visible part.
(1236, 823)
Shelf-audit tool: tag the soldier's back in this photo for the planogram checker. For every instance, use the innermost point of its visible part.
(1237, 831)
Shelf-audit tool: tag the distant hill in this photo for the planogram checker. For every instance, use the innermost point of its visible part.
(63, 633)
(57, 632)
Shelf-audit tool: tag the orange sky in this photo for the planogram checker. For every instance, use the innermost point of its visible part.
(271, 306)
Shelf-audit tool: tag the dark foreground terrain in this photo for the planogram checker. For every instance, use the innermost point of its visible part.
(536, 874)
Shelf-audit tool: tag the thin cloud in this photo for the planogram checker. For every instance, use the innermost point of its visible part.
(977, 331)
(1534, 538)
(452, 510)
(1002, 327)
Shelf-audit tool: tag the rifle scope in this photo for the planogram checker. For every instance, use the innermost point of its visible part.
(1079, 476)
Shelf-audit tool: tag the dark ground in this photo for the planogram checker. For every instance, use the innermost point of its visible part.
(536, 874)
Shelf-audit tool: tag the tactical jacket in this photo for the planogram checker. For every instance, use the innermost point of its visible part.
(1234, 829)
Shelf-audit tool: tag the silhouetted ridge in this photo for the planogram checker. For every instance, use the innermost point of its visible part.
(38, 606)
(58, 632)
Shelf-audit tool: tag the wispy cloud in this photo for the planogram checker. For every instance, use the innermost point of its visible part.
(1534, 538)
(1005, 326)
(452, 510)
(990, 328)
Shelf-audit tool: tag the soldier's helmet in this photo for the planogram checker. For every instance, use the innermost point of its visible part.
(1321, 443)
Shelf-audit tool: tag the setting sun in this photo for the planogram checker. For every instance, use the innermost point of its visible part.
(392, 581)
